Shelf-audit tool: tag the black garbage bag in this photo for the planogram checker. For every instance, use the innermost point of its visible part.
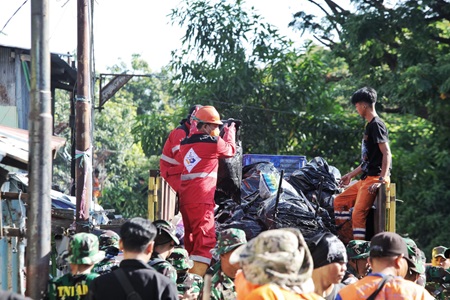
(315, 175)
(259, 180)
(227, 210)
(251, 225)
(229, 174)
(292, 210)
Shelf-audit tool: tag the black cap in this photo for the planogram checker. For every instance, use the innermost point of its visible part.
(326, 248)
(388, 244)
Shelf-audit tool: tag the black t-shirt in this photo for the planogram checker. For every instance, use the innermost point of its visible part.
(148, 283)
(375, 133)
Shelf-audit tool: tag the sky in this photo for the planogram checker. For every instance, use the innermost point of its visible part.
(122, 28)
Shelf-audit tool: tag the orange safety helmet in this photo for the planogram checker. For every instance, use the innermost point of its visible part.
(207, 114)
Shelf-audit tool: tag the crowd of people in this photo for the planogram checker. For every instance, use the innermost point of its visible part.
(149, 260)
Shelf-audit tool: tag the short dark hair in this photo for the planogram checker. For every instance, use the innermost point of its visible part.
(365, 94)
(136, 234)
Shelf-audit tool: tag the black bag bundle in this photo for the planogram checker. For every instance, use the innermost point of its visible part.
(230, 170)
(292, 210)
(311, 176)
(251, 225)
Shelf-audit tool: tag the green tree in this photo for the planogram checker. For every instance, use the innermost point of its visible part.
(285, 97)
(403, 51)
(118, 145)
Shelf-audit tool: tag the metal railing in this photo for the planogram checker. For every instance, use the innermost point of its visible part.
(162, 198)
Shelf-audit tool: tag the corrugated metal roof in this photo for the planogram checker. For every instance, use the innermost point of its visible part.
(14, 146)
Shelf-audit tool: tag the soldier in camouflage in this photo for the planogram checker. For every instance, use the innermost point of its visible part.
(109, 242)
(187, 283)
(165, 242)
(84, 253)
(438, 278)
(357, 266)
(416, 273)
(223, 273)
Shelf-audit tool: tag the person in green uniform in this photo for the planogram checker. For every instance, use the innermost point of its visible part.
(223, 272)
(84, 253)
(187, 283)
(165, 242)
(109, 242)
(357, 265)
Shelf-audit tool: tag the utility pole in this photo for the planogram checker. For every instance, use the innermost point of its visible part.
(83, 152)
(40, 154)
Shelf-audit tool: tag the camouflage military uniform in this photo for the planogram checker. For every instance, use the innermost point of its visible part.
(166, 234)
(418, 258)
(222, 286)
(83, 249)
(190, 281)
(438, 282)
(109, 242)
(163, 266)
(185, 280)
(356, 249)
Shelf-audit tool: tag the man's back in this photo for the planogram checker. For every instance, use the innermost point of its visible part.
(145, 281)
(395, 288)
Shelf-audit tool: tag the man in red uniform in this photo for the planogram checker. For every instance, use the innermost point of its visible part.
(170, 165)
(200, 153)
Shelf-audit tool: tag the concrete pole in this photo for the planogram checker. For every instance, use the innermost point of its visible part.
(40, 154)
(83, 152)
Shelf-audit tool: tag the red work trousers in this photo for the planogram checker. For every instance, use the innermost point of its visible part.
(352, 225)
(199, 230)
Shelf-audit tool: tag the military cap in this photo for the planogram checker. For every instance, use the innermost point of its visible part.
(108, 239)
(84, 249)
(166, 232)
(229, 239)
(179, 258)
(415, 254)
(358, 249)
(278, 256)
(438, 251)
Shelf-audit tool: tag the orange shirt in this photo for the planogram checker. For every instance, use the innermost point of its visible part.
(396, 288)
(273, 292)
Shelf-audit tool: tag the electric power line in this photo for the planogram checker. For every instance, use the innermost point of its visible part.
(1, 31)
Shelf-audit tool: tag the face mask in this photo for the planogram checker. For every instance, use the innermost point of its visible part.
(214, 132)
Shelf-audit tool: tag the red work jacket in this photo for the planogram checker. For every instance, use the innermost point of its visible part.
(200, 153)
(170, 165)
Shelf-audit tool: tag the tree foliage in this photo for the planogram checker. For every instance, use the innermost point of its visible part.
(403, 51)
(294, 101)
(284, 96)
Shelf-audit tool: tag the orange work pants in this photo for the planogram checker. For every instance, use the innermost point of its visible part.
(352, 225)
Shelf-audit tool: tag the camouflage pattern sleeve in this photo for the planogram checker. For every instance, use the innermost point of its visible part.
(165, 268)
(222, 286)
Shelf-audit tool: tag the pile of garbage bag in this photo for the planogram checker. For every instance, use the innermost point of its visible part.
(269, 200)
